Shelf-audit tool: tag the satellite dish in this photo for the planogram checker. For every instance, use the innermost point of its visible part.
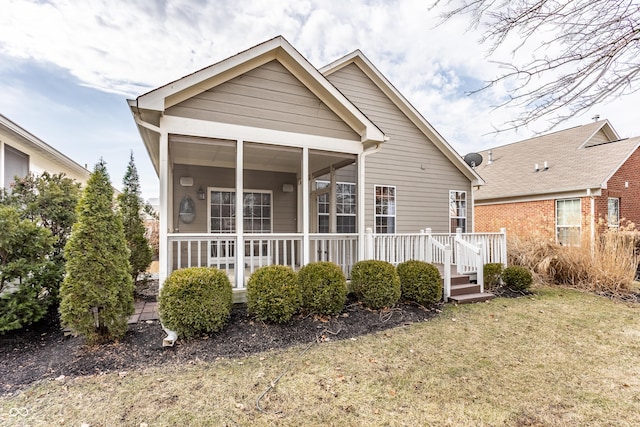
(473, 159)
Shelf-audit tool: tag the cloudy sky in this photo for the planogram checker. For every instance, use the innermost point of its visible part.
(67, 67)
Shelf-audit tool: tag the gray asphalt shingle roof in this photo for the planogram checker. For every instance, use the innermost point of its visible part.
(577, 158)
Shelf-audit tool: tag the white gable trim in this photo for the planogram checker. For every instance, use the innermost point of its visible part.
(357, 58)
(275, 49)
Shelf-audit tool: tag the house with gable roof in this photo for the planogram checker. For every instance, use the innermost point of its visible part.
(561, 186)
(331, 164)
(22, 153)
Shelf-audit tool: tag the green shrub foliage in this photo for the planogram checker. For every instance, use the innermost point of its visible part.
(24, 270)
(97, 292)
(420, 282)
(196, 301)
(492, 272)
(273, 294)
(517, 278)
(50, 202)
(323, 288)
(375, 283)
(131, 208)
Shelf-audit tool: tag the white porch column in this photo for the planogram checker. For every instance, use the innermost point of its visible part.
(305, 206)
(360, 209)
(163, 255)
(240, 214)
(333, 220)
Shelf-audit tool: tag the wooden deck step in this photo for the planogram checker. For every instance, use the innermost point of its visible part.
(475, 297)
(465, 288)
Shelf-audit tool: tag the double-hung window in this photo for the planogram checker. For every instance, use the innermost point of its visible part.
(568, 216)
(385, 209)
(345, 207)
(457, 211)
(613, 212)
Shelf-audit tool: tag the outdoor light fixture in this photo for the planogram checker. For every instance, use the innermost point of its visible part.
(201, 193)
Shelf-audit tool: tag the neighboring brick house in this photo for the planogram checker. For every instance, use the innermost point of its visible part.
(561, 185)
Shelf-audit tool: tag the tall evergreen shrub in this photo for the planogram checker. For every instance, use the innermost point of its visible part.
(131, 208)
(97, 292)
(24, 269)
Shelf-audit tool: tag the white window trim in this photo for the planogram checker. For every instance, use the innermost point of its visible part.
(466, 204)
(579, 226)
(395, 211)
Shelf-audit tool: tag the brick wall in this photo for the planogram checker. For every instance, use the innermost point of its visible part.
(526, 219)
(521, 219)
(629, 195)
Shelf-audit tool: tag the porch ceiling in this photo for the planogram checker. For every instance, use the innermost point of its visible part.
(222, 153)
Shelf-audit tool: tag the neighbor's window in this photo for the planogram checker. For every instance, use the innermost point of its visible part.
(613, 212)
(457, 210)
(385, 209)
(568, 219)
(16, 163)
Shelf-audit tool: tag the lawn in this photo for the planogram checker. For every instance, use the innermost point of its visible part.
(559, 357)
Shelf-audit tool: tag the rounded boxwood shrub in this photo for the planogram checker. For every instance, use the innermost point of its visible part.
(517, 278)
(323, 288)
(492, 272)
(273, 293)
(195, 301)
(375, 283)
(420, 282)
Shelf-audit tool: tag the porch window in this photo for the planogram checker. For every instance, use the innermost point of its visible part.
(385, 209)
(345, 207)
(16, 163)
(613, 212)
(457, 210)
(257, 211)
(568, 215)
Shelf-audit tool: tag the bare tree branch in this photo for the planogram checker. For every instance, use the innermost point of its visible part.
(592, 55)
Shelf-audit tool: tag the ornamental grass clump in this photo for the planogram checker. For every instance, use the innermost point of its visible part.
(323, 288)
(195, 301)
(273, 293)
(420, 282)
(517, 278)
(375, 283)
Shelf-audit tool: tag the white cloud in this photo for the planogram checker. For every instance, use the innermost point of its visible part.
(129, 47)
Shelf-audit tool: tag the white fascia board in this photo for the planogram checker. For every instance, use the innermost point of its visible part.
(536, 198)
(208, 129)
(43, 147)
(362, 62)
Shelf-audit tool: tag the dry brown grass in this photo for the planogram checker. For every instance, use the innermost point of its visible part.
(608, 267)
(559, 358)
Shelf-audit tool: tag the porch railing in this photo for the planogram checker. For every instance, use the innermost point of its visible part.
(341, 249)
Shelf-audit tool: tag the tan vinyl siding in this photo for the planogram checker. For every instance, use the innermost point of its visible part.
(284, 205)
(422, 175)
(599, 138)
(267, 97)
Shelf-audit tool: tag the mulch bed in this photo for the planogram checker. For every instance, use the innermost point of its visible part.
(42, 351)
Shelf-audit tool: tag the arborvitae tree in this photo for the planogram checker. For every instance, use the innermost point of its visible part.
(131, 207)
(50, 202)
(24, 270)
(97, 292)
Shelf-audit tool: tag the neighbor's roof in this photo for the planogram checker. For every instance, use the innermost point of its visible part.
(579, 158)
(44, 149)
